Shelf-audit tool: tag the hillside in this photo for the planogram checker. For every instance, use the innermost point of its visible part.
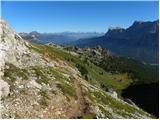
(43, 81)
(142, 78)
(139, 72)
(140, 41)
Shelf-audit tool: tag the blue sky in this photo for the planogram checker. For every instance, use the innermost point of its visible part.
(76, 16)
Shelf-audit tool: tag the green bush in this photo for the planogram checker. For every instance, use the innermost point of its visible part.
(82, 69)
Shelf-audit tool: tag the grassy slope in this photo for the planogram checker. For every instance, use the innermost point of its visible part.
(94, 73)
(140, 73)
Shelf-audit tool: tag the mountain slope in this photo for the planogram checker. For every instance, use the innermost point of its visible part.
(41, 81)
(140, 41)
(138, 78)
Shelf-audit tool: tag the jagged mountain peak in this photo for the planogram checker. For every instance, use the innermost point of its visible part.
(115, 29)
(137, 22)
(144, 27)
(139, 41)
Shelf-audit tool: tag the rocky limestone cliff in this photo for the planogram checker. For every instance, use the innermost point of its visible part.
(12, 48)
(140, 41)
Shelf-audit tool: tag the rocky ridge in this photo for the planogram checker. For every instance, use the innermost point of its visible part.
(140, 41)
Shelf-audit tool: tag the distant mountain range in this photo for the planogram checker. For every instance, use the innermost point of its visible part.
(58, 38)
(140, 41)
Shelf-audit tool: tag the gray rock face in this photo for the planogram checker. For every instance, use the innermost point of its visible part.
(4, 89)
(12, 46)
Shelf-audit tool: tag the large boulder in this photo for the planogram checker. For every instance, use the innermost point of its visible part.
(4, 89)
